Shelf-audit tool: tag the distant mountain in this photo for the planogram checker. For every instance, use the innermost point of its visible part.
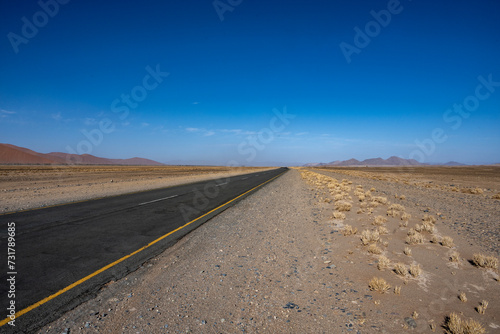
(392, 161)
(454, 163)
(11, 154)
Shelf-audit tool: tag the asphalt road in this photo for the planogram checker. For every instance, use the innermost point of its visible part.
(69, 250)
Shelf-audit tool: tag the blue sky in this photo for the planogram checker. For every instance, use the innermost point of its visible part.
(234, 68)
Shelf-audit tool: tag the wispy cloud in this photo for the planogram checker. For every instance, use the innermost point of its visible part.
(56, 116)
(144, 125)
(193, 129)
(5, 113)
(301, 133)
(196, 103)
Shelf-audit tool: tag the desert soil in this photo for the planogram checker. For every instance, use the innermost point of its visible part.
(278, 262)
(28, 187)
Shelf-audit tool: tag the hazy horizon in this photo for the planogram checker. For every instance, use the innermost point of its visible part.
(242, 82)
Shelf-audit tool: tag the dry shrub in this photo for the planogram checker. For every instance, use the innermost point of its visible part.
(361, 198)
(462, 297)
(418, 228)
(343, 206)
(383, 262)
(455, 257)
(403, 224)
(407, 251)
(372, 189)
(415, 270)
(368, 237)
(368, 194)
(447, 242)
(429, 219)
(378, 284)
(455, 325)
(414, 239)
(382, 230)
(474, 191)
(428, 227)
(373, 249)
(481, 309)
(349, 230)
(402, 197)
(484, 261)
(338, 215)
(400, 269)
(360, 210)
(338, 197)
(496, 196)
(435, 239)
(380, 199)
(395, 210)
(379, 220)
(397, 290)
(405, 217)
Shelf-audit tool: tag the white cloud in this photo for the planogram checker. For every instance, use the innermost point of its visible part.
(144, 124)
(301, 133)
(56, 116)
(8, 112)
(196, 102)
(209, 133)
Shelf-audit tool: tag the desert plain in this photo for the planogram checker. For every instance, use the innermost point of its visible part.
(334, 250)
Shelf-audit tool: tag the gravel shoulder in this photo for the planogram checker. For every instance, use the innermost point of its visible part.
(279, 263)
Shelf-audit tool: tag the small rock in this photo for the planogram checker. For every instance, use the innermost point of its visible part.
(411, 322)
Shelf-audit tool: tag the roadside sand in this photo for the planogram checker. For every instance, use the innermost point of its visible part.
(28, 187)
(279, 263)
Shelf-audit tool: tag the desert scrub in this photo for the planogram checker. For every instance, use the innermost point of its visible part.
(428, 227)
(447, 242)
(462, 297)
(484, 261)
(414, 238)
(496, 196)
(349, 230)
(475, 191)
(430, 219)
(380, 199)
(378, 284)
(382, 230)
(368, 237)
(343, 206)
(481, 309)
(415, 270)
(339, 215)
(455, 257)
(405, 217)
(373, 249)
(395, 210)
(455, 325)
(400, 269)
(407, 251)
(379, 220)
(383, 262)
(397, 290)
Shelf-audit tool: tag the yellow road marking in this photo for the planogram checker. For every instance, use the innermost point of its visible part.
(95, 273)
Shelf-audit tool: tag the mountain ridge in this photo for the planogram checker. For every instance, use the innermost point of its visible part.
(12, 154)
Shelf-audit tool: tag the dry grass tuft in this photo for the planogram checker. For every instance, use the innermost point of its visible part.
(415, 270)
(397, 290)
(380, 199)
(455, 257)
(447, 242)
(402, 197)
(382, 230)
(462, 297)
(481, 309)
(496, 196)
(474, 191)
(395, 210)
(339, 215)
(435, 239)
(407, 251)
(373, 249)
(383, 262)
(343, 206)
(368, 237)
(400, 269)
(403, 224)
(372, 189)
(349, 230)
(405, 217)
(455, 325)
(378, 284)
(379, 220)
(428, 227)
(429, 219)
(485, 261)
(414, 239)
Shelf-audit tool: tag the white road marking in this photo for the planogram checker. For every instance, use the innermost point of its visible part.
(159, 199)
(220, 184)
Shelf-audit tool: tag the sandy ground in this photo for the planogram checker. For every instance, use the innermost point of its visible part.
(27, 187)
(278, 262)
